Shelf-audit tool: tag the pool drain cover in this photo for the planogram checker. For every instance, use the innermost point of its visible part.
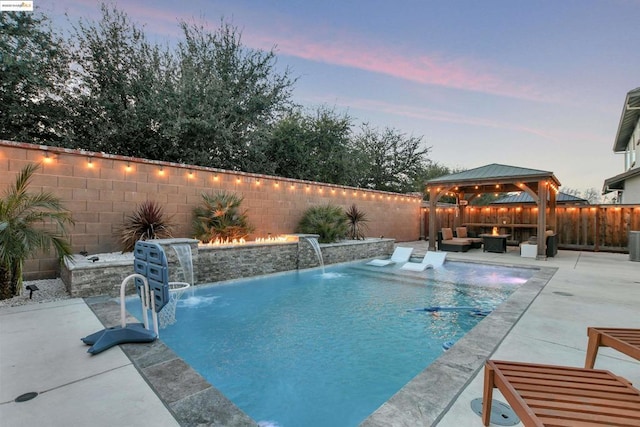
(501, 413)
(26, 396)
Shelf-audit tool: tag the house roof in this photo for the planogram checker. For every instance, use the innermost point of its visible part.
(523, 197)
(628, 120)
(490, 177)
(617, 182)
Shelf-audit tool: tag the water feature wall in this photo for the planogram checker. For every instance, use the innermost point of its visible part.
(214, 263)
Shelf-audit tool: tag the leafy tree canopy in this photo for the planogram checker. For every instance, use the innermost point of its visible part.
(33, 75)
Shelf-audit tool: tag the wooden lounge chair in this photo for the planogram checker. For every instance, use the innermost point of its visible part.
(551, 395)
(626, 341)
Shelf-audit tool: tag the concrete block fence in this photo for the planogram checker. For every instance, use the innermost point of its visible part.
(101, 190)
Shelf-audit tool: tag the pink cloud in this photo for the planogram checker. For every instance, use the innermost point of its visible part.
(463, 74)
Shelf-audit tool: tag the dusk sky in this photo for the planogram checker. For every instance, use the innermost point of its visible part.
(534, 84)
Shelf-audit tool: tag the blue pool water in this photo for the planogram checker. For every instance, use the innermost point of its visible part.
(312, 349)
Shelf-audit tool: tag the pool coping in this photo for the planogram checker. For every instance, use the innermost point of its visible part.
(193, 401)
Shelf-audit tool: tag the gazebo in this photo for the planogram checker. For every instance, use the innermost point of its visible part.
(542, 186)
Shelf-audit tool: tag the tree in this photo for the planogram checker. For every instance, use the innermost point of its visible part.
(124, 88)
(34, 70)
(228, 96)
(313, 147)
(22, 215)
(393, 160)
(591, 194)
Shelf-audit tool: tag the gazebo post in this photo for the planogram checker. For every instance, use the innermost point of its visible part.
(542, 217)
(553, 219)
(461, 209)
(433, 217)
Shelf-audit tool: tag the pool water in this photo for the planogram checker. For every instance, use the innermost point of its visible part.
(311, 349)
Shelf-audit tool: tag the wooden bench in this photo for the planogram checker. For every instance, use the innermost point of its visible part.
(545, 395)
(626, 341)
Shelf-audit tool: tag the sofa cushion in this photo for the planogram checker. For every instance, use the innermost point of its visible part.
(457, 241)
(461, 232)
(447, 234)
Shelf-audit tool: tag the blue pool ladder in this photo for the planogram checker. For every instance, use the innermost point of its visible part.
(151, 278)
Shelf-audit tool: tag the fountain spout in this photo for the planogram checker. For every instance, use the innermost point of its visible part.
(183, 252)
(316, 247)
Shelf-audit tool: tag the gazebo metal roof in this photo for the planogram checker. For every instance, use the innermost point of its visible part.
(485, 178)
(523, 198)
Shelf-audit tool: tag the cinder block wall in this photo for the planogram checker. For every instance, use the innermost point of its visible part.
(101, 190)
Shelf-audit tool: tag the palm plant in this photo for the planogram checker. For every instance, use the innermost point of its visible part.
(29, 222)
(147, 222)
(220, 218)
(328, 221)
(356, 220)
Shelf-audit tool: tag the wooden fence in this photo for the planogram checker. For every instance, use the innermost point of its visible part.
(590, 228)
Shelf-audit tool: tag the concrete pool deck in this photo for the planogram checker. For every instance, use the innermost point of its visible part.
(41, 351)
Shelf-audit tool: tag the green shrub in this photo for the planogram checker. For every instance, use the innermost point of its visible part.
(328, 221)
(356, 220)
(147, 222)
(220, 217)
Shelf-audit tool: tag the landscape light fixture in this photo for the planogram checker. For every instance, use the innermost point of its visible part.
(31, 288)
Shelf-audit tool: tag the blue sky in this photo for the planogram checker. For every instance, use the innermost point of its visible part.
(535, 84)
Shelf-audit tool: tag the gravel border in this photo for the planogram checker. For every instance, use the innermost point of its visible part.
(48, 290)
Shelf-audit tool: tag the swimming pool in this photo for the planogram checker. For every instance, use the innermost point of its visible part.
(306, 348)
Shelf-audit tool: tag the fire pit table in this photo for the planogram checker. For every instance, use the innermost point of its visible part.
(495, 242)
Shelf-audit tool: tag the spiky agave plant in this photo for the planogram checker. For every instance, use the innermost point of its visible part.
(147, 222)
(29, 222)
(220, 217)
(328, 221)
(356, 220)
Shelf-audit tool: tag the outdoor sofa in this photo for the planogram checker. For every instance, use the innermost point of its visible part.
(447, 242)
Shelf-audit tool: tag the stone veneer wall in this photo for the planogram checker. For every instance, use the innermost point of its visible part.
(217, 263)
(101, 190)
